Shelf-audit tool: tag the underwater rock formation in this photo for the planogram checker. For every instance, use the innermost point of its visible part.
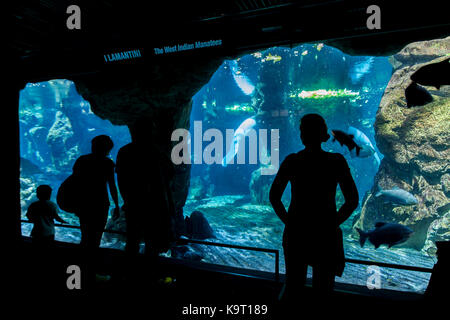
(162, 92)
(201, 187)
(197, 226)
(60, 140)
(416, 146)
(260, 186)
(27, 191)
(439, 231)
(56, 127)
(197, 189)
(420, 52)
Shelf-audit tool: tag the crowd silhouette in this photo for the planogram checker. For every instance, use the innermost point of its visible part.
(311, 236)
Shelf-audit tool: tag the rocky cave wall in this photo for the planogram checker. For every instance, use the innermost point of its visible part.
(416, 146)
(161, 93)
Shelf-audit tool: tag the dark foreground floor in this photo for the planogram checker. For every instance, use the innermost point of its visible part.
(38, 284)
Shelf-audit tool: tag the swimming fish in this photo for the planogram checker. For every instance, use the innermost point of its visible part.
(416, 95)
(435, 74)
(367, 148)
(240, 133)
(345, 139)
(359, 69)
(242, 81)
(397, 196)
(385, 233)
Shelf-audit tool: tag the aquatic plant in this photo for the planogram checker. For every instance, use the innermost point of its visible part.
(257, 55)
(205, 104)
(324, 94)
(240, 109)
(273, 58)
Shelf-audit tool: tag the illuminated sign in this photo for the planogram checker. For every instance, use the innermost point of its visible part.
(122, 55)
(188, 46)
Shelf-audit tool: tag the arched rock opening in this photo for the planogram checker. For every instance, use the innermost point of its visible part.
(159, 92)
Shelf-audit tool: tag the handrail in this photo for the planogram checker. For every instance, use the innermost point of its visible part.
(389, 265)
(274, 251)
(233, 246)
(181, 241)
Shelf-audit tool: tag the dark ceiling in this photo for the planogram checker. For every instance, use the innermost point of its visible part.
(41, 46)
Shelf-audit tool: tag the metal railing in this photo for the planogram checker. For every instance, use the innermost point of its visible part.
(267, 250)
(233, 246)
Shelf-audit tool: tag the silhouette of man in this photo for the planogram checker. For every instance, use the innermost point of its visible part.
(142, 177)
(312, 235)
(95, 172)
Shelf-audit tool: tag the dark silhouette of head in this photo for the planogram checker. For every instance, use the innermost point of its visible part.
(313, 130)
(101, 145)
(43, 192)
(141, 131)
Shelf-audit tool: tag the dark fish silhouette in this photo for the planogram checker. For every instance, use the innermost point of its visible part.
(435, 74)
(385, 233)
(346, 139)
(417, 96)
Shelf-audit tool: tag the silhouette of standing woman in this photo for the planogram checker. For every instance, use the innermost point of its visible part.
(312, 235)
(95, 172)
(143, 179)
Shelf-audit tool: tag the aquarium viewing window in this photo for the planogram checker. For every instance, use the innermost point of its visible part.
(251, 108)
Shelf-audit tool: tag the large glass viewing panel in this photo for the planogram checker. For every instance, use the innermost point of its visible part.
(265, 92)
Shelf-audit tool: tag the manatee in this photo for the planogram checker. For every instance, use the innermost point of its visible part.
(367, 148)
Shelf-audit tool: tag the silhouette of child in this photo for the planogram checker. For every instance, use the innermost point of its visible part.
(42, 214)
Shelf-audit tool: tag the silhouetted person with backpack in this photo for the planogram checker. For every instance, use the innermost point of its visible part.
(143, 174)
(312, 235)
(95, 173)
